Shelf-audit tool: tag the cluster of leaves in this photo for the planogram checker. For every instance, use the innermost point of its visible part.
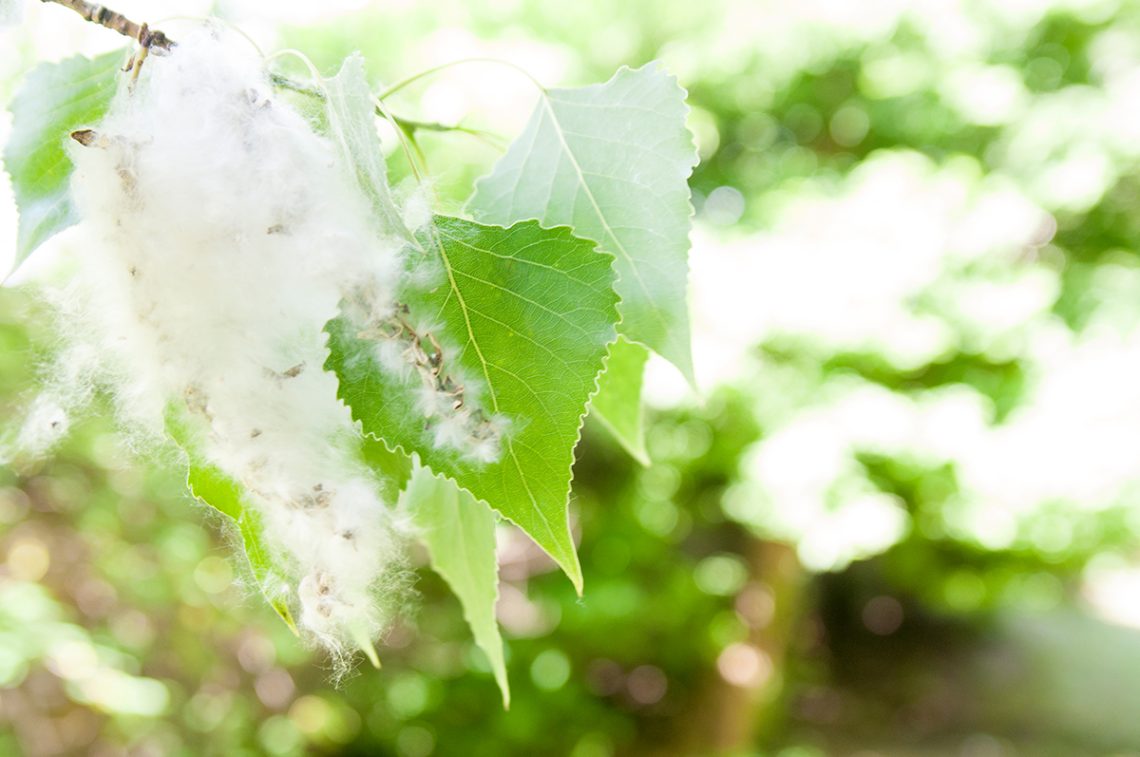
(572, 266)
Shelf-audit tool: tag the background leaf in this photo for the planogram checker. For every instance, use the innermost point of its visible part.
(612, 161)
(618, 401)
(459, 533)
(55, 99)
(527, 313)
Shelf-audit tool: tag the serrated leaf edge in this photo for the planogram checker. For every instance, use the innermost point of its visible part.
(575, 576)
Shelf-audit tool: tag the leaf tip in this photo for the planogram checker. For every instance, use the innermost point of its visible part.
(576, 577)
(365, 645)
(680, 356)
(286, 615)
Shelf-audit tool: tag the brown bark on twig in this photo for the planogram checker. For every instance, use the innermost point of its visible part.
(97, 14)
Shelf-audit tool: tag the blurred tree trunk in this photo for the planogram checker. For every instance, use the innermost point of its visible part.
(741, 696)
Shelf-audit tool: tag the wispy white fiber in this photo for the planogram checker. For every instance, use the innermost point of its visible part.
(223, 234)
(11, 12)
(418, 208)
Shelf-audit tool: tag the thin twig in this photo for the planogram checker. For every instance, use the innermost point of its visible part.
(97, 14)
(409, 125)
(154, 39)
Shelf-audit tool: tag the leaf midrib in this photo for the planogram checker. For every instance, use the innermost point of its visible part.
(558, 130)
(487, 377)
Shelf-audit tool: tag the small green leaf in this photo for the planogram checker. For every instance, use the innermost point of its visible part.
(525, 315)
(212, 486)
(612, 161)
(459, 533)
(352, 128)
(618, 401)
(55, 99)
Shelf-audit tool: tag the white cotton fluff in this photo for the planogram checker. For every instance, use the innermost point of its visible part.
(417, 208)
(46, 423)
(11, 12)
(223, 234)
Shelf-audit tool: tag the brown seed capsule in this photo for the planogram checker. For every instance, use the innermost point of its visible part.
(85, 137)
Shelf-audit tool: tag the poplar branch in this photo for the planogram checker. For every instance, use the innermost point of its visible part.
(154, 39)
(409, 125)
(97, 14)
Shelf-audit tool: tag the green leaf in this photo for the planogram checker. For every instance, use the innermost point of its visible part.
(459, 533)
(612, 161)
(395, 468)
(55, 99)
(212, 486)
(524, 316)
(352, 128)
(618, 401)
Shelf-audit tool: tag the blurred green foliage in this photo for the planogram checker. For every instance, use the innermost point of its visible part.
(701, 631)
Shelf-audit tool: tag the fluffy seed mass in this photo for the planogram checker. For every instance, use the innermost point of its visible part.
(222, 232)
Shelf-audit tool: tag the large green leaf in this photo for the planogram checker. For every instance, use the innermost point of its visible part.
(459, 533)
(612, 161)
(524, 315)
(55, 99)
(618, 401)
(212, 486)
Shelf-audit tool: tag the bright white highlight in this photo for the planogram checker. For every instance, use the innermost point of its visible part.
(910, 261)
(11, 12)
